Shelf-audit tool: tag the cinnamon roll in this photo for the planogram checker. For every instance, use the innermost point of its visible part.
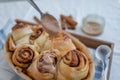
(61, 57)
(24, 55)
(44, 67)
(39, 37)
(21, 33)
(37, 31)
(74, 66)
(63, 43)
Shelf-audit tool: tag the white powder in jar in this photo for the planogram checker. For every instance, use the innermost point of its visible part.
(93, 25)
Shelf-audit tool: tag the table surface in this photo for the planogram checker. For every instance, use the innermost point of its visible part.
(109, 9)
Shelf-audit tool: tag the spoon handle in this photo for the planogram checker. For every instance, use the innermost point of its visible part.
(36, 7)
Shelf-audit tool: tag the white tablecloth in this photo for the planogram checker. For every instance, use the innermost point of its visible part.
(109, 9)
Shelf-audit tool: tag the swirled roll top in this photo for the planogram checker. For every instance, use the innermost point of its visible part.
(74, 58)
(37, 31)
(24, 55)
(73, 66)
(31, 34)
(44, 67)
(47, 62)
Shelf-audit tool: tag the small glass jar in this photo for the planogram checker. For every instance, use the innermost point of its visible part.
(93, 24)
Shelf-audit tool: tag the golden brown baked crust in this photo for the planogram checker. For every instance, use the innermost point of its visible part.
(37, 31)
(21, 33)
(63, 43)
(11, 44)
(73, 66)
(39, 37)
(40, 41)
(24, 55)
(80, 46)
(44, 67)
(48, 45)
(8, 55)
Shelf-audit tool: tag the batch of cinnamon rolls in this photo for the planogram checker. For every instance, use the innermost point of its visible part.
(34, 55)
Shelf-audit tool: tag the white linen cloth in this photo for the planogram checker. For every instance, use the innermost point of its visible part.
(109, 9)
